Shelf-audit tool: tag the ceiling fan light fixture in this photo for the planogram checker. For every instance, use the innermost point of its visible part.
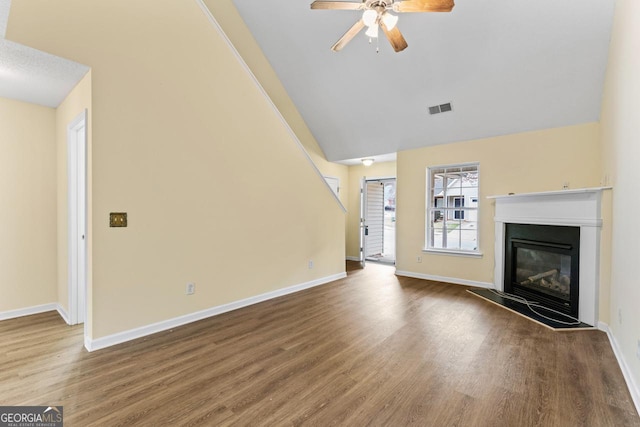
(367, 162)
(369, 17)
(389, 20)
(372, 31)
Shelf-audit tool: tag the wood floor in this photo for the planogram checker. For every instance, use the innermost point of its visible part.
(371, 349)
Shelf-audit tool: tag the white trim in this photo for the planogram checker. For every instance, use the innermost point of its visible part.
(570, 222)
(62, 312)
(132, 334)
(28, 311)
(381, 178)
(244, 65)
(452, 280)
(353, 258)
(551, 193)
(472, 254)
(77, 218)
(634, 390)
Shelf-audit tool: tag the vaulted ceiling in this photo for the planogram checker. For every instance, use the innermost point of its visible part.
(506, 66)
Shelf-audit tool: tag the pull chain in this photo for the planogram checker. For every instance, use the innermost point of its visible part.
(377, 43)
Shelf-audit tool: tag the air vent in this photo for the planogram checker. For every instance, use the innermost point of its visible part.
(442, 108)
(445, 107)
(434, 110)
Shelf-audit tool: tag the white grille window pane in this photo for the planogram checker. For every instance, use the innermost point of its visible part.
(452, 208)
(453, 239)
(468, 240)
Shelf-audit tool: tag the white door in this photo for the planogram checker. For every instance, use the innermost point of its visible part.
(374, 220)
(334, 183)
(77, 217)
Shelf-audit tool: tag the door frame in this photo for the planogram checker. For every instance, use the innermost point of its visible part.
(77, 218)
(363, 204)
(363, 218)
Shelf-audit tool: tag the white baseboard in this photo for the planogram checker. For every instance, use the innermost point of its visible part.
(132, 334)
(634, 390)
(353, 258)
(63, 314)
(28, 311)
(453, 280)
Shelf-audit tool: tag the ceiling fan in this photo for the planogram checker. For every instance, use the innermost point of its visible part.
(376, 15)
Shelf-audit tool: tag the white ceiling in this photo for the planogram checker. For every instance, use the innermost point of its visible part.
(506, 66)
(33, 76)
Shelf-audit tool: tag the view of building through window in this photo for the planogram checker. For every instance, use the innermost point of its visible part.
(452, 208)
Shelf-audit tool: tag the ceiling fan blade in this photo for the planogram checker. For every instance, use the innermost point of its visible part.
(395, 37)
(346, 38)
(337, 5)
(423, 6)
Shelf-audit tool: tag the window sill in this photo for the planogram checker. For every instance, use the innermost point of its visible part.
(470, 254)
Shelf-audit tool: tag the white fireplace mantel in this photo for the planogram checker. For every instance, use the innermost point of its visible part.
(574, 208)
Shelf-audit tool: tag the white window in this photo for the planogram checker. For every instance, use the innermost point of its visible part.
(452, 209)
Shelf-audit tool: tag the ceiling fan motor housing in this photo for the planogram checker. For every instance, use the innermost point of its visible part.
(378, 5)
(380, 18)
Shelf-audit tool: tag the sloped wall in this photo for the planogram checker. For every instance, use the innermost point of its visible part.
(234, 27)
(216, 190)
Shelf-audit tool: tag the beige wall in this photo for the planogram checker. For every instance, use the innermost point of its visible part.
(75, 103)
(621, 155)
(520, 163)
(27, 205)
(356, 173)
(234, 27)
(217, 191)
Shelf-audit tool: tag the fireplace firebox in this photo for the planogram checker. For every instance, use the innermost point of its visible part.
(542, 265)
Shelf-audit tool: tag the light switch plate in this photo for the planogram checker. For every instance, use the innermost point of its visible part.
(118, 219)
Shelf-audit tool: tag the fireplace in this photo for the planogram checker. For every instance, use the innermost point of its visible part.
(542, 265)
(577, 209)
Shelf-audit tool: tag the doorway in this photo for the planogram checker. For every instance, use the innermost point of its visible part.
(77, 217)
(379, 214)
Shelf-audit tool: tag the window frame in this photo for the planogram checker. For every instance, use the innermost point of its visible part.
(432, 205)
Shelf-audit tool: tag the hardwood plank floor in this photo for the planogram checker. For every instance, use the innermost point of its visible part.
(371, 349)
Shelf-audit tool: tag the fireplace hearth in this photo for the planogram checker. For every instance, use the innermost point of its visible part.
(542, 265)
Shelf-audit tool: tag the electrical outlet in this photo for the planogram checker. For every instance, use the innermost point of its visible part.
(620, 316)
(310, 264)
(565, 185)
(191, 288)
(418, 259)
